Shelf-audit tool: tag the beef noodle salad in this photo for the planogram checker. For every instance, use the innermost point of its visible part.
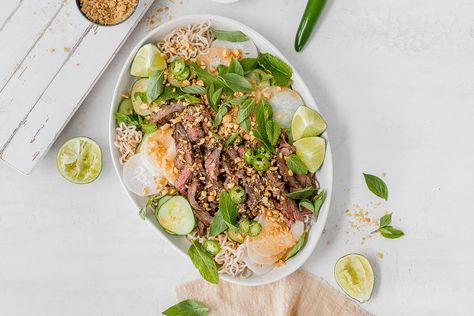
(226, 151)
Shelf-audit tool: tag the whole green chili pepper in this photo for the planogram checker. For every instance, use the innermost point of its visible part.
(310, 16)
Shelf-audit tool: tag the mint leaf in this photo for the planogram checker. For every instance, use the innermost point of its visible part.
(191, 99)
(390, 232)
(229, 36)
(274, 64)
(155, 86)
(248, 64)
(245, 110)
(273, 131)
(376, 186)
(306, 204)
(203, 261)
(217, 225)
(194, 89)
(207, 77)
(239, 100)
(295, 164)
(301, 194)
(227, 208)
(187, 308)
(235, 67)
(386, 220)
(219, 115)
(318, 201)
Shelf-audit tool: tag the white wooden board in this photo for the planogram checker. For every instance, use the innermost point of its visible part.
(51, 57)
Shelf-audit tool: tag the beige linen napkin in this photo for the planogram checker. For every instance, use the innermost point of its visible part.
(301, 293)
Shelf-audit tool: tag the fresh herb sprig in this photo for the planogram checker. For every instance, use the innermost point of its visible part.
(229, 36)
(187, 308)
(386, 230)
(315, 205)
(376, 185)
(267, 130)
(203, 261)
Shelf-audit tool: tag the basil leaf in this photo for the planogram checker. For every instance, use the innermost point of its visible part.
(295, 164)
(390, 232)
(237, 83)
(273, 131)
(301, 194)
(191, 99)
(216, 96)
(306, 204)
(229, 36)
(203, 261)
(207, 77)
(155, 86)
(386, 220)
(169, 93)
(235, 67)
(217, 225)
(245, 124)
(219, 115)
(318, 202)
(248, 64)
(298, 246)
(187, 308)
(123, 118)
(227, 208)
(274, 64)
(376, 186)
(142, 96)
(221, 70)
(245, 110)
(148, 128)
(194, 89)
(239, 100)
(231, 139)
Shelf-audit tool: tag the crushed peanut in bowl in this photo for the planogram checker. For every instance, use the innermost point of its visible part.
(107, 12)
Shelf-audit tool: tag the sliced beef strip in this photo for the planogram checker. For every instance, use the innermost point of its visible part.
(289, 179)
(163, 116)
(195, 132)
(203, 217)
(183, 178)
(184, 160)
(211, 165)
(290, 212)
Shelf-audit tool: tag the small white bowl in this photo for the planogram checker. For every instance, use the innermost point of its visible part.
(324, 175)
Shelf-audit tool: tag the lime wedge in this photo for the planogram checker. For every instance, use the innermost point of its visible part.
(79, 160)
(355, 276)
(311, 150)
(147, 61)
(307, 123)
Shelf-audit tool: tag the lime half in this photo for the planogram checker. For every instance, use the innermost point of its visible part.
(307, 123)
(147, 61)
(355, 276)
(311, 150)
(79, 160)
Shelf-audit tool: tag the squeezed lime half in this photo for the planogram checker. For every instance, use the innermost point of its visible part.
(79, 160)
(147, 60)
(311, 150)
(306, 123)
(355, 276)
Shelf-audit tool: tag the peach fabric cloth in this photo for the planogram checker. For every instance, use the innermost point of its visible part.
(301, 293)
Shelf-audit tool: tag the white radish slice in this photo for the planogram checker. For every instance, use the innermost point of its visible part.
(258, 258)
(284, 102)
(214, 57)
(257, 269)
(139, 179)
(297, 229)
(159, 152)
(247, 48)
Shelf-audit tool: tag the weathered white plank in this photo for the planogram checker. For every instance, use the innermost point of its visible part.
(63, 95)
(24, 24)
(9, 7)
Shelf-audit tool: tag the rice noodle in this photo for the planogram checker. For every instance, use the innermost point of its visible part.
(187, 41)
(230, 257)
(127, 139)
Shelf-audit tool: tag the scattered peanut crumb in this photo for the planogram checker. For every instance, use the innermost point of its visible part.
(66, 49)
(379, 255)
(107, 12)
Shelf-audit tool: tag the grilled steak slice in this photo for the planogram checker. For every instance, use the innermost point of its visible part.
(211, 166)
(203, 217)
(182, 180)
(195, 133)
(290, 212)
(166, 114)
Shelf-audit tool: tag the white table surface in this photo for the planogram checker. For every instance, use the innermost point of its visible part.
(395, 80)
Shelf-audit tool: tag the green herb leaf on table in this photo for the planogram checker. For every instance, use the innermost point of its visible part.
(318, 202)
(301, 194)
(227, 208)
(203, 261)
(390, 232)
(235, 67)
(219, 115)
(237, 83)
(229, 36)
(298, 246)
(376, 185)
(187, 308)
(194, 89)
(295, 164)
(155, 86)
(386, 220)
(217, 225)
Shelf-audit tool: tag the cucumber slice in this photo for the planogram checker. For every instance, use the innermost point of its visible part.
(235, 236)
(176, 216)
(355, 276)
(126, 107)
(138, 97)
